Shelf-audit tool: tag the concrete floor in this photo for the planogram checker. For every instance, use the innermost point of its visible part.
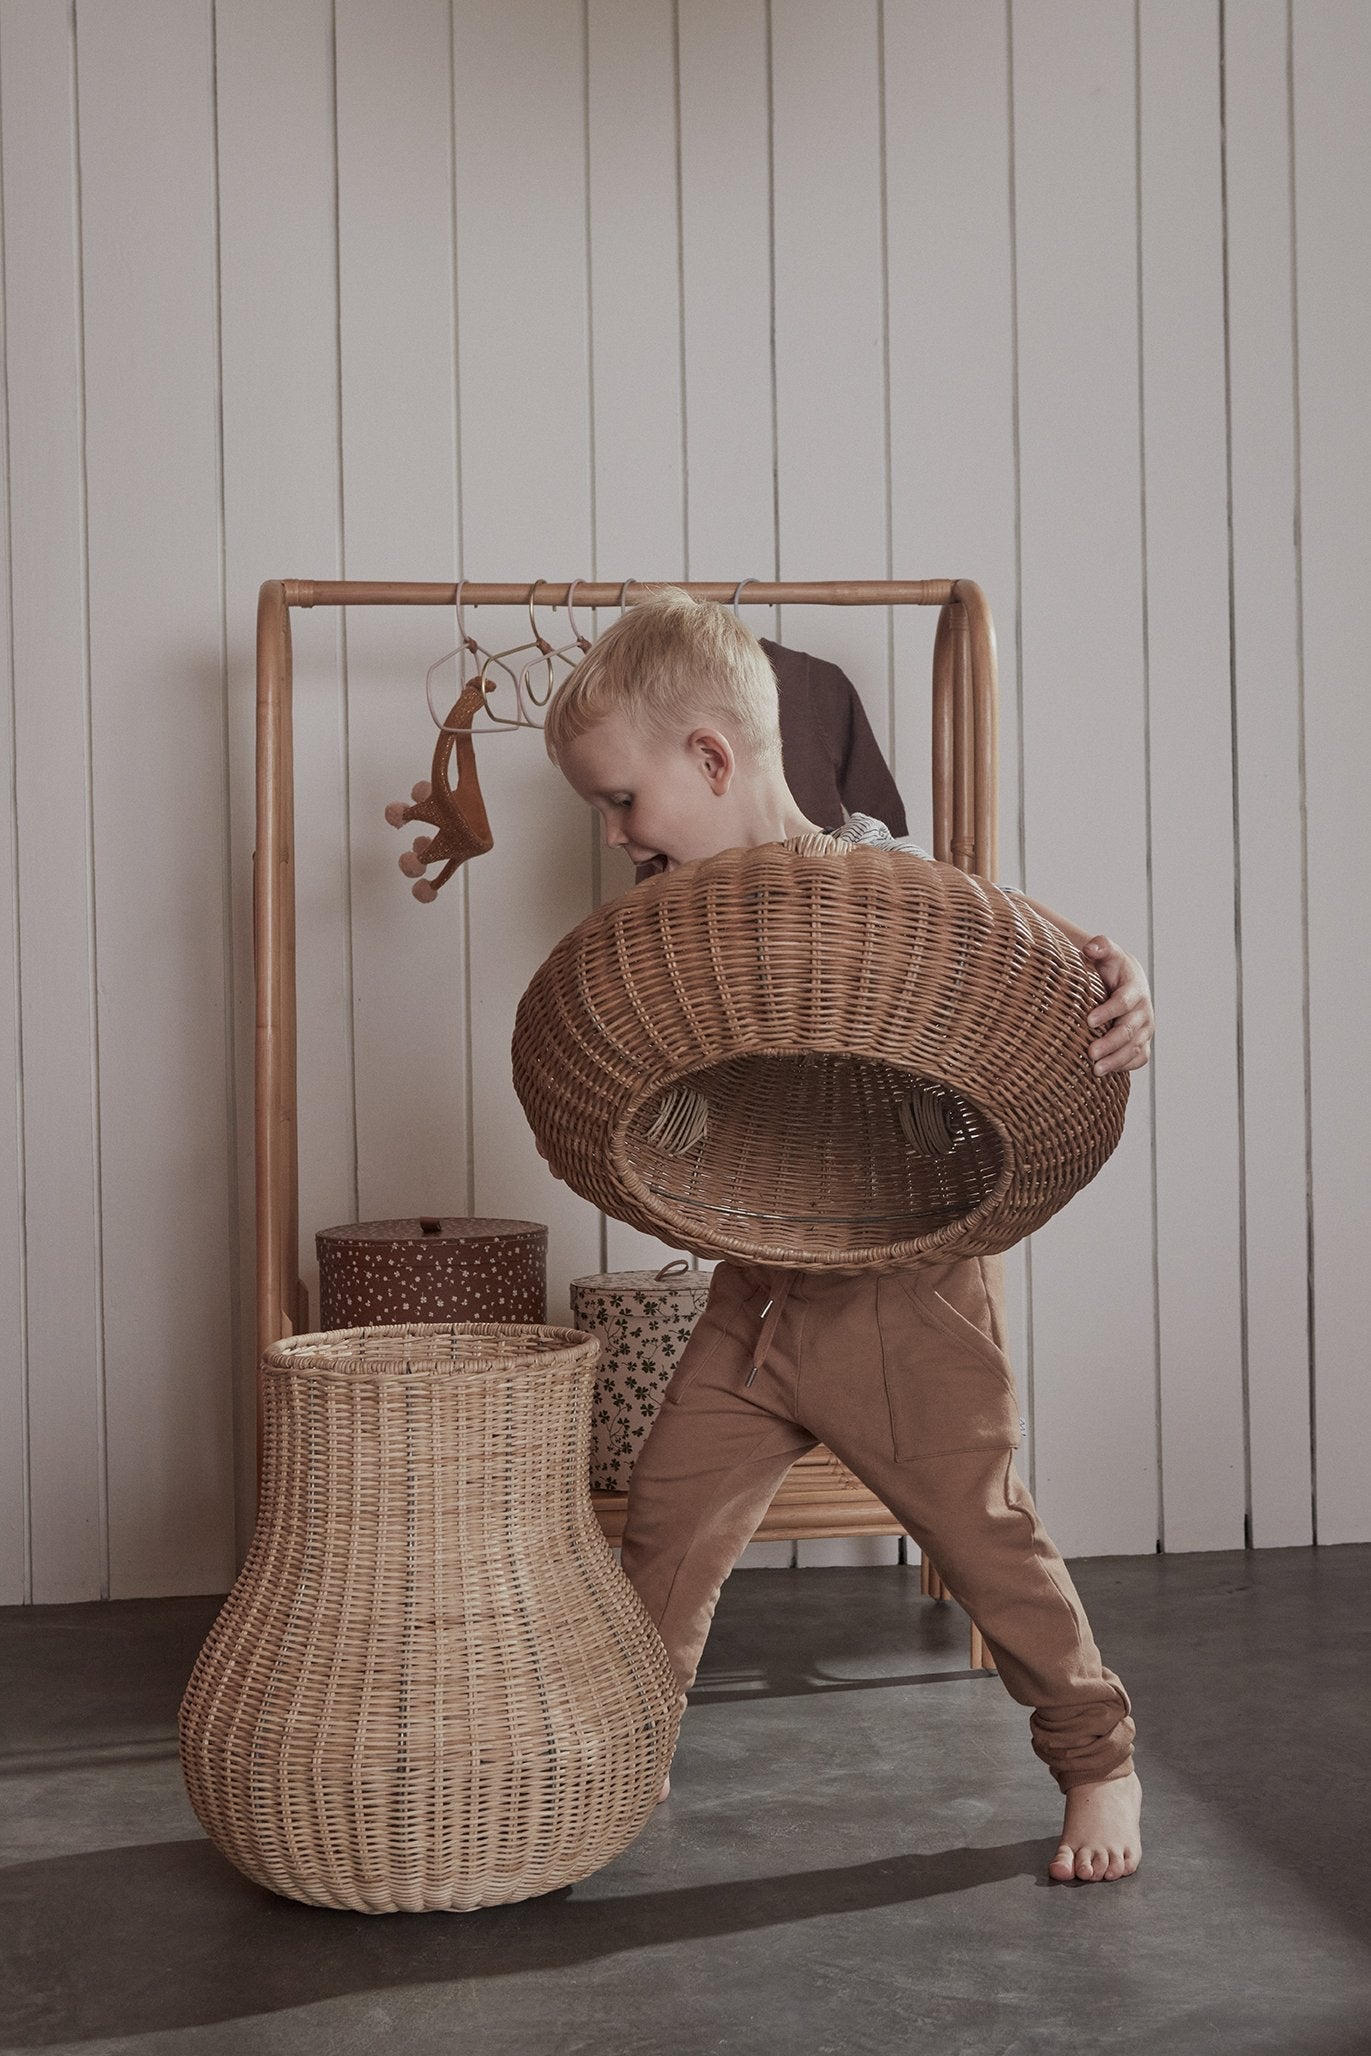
(853, 1857)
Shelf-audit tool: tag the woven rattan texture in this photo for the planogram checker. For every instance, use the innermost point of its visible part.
(885, 1059)
(432, 1687)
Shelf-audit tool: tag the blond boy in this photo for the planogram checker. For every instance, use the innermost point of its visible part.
(669, 728)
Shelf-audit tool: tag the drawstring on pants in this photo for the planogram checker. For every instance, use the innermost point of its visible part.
(771, 1314)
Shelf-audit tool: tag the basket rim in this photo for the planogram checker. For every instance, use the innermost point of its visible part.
(673, 1217)
(1054, 1124)
(321, 1353)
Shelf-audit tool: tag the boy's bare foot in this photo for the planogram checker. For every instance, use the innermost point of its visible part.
(1101, 1837)
(666, 1787)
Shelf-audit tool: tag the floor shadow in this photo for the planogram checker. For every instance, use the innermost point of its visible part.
(845, 1632)
(806, 1684)
(167, 1935)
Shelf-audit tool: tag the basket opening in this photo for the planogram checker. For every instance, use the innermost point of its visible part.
(425, 1348)
(817, 1150)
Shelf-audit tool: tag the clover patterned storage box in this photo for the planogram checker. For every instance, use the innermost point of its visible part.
(642, 1321)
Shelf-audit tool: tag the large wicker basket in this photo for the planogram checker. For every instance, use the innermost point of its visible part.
(818, 1054)
(431, 1687)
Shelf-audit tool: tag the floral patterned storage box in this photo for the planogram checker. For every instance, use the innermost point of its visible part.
(643, 1321)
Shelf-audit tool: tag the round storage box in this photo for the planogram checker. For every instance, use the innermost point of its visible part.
(435, 1267)
(818, 1054)
(642, 1321)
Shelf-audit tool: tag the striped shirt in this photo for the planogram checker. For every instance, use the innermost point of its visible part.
(866, 828)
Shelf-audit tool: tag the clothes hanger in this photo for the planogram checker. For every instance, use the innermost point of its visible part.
(457, 812)
(487, 660)
(549, 654)
(543, 653)
(582, 641)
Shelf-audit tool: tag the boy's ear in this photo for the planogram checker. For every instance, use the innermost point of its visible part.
(714, 754)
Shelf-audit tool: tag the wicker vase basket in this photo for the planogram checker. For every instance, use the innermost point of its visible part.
(818, 1054)
(432, 1687)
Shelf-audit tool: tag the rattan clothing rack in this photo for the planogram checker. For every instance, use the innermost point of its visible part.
(965, 757)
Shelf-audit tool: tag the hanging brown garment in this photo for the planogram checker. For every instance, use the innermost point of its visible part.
(829, 754)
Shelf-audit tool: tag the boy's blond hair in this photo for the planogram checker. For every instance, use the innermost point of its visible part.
(668, 662)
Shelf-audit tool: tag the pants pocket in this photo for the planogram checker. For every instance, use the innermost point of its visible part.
(949, 1385)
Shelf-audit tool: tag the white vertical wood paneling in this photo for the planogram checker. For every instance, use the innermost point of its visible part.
(828, 1552)
(726, 312)
(14, 1524)
(829, 323)
(1083, 723)
(525, 439)
(1269, 746)
(57, 1363)
(951, 360)
(830, 328)
(1190, 779)
(635, 299)
(726, 265)
(1332, 67)
(635, 289)
(146, 120)
(399, 457)
(279, 320)
(729, 402)
(729, 289)
(952, 459)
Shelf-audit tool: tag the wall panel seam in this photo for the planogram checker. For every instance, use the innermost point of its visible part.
(1145, 655)
(1298, 540)
(235, 1240)
(592, 455)
(592, 479)
(340, 546)
(20, 1160)
(459, 530)
(771, 292)
(1235, 745)
(93, 932)
(1020, 771)
(882, 134)
(681, 286)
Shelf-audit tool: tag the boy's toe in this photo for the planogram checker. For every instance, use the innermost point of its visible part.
(1063, 1864)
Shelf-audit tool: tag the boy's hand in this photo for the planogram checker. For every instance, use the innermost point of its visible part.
(1128, 1006)
(547, 1160)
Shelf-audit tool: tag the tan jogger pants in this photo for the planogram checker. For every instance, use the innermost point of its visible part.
(903, 1374)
